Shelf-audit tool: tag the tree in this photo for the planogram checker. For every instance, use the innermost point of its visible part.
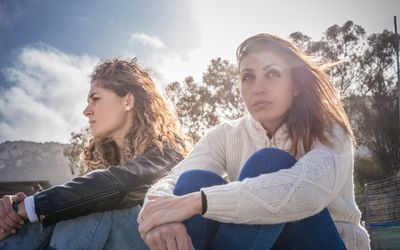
(365, 77)
(378, 115)
(73, 150)
(341, 46)
(204, 105)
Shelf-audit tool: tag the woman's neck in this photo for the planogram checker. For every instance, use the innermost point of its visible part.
(271, 128)
(119, 141)
(119, 135)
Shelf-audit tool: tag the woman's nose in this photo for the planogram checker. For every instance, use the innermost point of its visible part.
(259, 86)
(87, 111)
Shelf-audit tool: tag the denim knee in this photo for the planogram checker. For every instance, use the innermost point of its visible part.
(193, 180)
(265, 161)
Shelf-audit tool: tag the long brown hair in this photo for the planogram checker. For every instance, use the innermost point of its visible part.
(155, 124)
(316, 108)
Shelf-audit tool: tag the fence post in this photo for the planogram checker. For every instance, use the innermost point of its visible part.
(367, 210)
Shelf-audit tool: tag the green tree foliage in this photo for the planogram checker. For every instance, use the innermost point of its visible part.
(75, 147)
(376, 112)
(366, 170)
(341, 46)
(204, 105)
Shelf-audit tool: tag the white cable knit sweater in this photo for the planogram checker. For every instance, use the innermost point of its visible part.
(321, 178)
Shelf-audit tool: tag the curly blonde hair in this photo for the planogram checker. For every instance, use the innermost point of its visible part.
(155, 124)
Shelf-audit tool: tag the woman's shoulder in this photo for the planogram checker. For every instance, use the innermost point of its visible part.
(339, 135)
(338, 139)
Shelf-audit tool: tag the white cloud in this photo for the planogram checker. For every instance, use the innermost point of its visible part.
(147, 40)
(50, 88)
(171, 66)
(48, 95)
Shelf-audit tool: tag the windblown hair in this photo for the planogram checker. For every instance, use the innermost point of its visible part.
(154, 126)
(316, 108)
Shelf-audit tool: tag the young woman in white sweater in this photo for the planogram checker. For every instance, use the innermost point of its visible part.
(289, 166)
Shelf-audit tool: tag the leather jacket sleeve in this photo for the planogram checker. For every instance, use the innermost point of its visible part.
(113, 188)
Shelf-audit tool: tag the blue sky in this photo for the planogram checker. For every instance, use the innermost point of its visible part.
(49, 47)
(100, 28)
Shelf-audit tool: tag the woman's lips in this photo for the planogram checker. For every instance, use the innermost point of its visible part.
(261, 104)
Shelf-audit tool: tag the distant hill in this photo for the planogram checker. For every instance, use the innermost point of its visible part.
(31, 161)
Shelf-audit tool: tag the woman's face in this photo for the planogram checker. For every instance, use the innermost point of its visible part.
(109, 114)
(266, 87)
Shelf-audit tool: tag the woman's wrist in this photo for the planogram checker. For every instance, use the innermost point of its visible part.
(21, 211)
(195, 202)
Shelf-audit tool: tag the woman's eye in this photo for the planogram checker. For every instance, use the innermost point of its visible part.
(95, 99)
(247, 77)
(273, 74)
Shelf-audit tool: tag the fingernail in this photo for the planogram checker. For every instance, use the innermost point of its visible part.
(2, 230)
(13, 231)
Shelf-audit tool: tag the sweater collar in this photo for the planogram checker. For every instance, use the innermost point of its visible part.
(280, 135)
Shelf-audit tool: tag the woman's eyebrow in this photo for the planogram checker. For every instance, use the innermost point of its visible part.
(266, 67)
(91, 95)
(247, 70)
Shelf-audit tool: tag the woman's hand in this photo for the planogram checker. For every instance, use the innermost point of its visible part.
(4, 235)
(160, 210)
(172, 236)
(9, 219)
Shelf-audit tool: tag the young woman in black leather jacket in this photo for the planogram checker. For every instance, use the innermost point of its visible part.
(134, 140)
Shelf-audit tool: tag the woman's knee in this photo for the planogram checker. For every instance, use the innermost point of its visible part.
(193, 180)
(266, 160)
(315, 232)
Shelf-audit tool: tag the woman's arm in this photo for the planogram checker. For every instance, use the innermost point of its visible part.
(115, 187)
(289, 194)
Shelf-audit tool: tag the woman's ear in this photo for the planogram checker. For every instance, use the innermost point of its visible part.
(129, 102)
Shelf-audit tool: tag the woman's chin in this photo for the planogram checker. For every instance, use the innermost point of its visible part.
(262, 118)
(98, 135)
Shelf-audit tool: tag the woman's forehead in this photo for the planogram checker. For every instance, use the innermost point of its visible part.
(99, 84)
(263, 59)
(96, 87)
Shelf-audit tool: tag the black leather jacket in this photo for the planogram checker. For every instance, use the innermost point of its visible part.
(116, 187)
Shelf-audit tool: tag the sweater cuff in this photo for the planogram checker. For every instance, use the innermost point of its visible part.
(221, 206)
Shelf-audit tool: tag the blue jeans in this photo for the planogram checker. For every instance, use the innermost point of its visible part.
(315, 232)
(115, 229)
